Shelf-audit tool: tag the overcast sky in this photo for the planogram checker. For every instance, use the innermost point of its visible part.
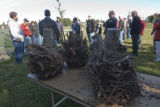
(98, 9)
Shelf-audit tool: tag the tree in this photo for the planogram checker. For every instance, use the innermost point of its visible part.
(67, 22)
(60, 10)
(150, 18)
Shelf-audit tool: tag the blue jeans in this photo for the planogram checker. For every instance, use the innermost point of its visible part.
(139, 41)
(121, 37)
(89, 37)
(124, 35)
(19, 51)
(56, 43)
(135, 44)
(40, 40)
(128, 33)
(27, 42)
(35, 39)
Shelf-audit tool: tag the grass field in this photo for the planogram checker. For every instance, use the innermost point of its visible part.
(16, 90)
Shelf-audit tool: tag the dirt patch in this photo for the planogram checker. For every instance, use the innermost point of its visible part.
(150, 95)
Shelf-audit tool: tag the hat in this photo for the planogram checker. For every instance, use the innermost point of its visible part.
(58, 17)
(47, 13)
(75, 19)
(111, 12)
(26, 20)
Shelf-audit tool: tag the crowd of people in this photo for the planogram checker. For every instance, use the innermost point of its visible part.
(32, 33)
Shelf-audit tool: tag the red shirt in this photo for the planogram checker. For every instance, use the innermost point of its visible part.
(157, 31)
(143, 23)
(26, 30)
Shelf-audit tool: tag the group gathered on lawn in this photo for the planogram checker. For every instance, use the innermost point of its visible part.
(32, 33)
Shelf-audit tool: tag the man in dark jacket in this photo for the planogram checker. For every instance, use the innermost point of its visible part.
(48, 23)
(91, 28)
(135, 32)
(76, 26)
(111, 23)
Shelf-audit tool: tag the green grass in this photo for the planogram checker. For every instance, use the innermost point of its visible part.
(16, 90)
(145, 61)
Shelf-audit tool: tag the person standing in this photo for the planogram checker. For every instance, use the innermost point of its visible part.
(135, 32)
(112, 22)
(90, 28)
(34, 29)
(27, 33)
(143, 25)
(60, 27)
(17, 36)
(157, 39)
(48, 23)
(121, 28)
(76, 26)
(153, 31)
(128, 25)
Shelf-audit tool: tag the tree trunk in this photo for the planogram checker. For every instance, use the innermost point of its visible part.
(112, 39)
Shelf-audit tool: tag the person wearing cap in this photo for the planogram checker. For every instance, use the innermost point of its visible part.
(27, 33)
(112, 22)
(136, 28)
(17, 36)
(48, 23)
(157, 39)
(60, 27)
(90, 28)
(35, 33)
(76, 26)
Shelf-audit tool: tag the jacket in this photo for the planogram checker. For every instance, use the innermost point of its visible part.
(136, 26)
(48, 23)
(129, 21)
(91, 26)
(111, 23)
(76, 28)
(157, 31)
(121, 25)
(34, 30)
(15, 31)
(26, 30)
(143, 25)
(60, 27)
(98, 29)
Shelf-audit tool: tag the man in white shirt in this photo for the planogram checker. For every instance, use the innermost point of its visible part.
(17, 36)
